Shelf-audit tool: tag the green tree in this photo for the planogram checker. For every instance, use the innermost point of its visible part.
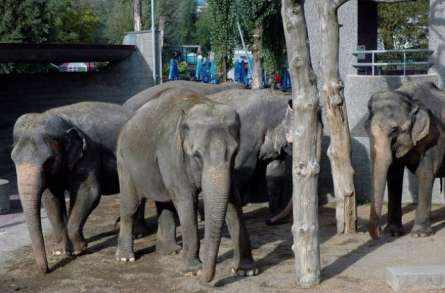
(263, 23)
(222, 32)
(186, 21)
(202, 31)
(403, 24)
(24, 21)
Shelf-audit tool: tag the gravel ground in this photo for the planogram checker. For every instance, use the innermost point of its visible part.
(350, 263)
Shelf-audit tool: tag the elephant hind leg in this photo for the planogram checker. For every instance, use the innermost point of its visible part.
(129, 203)
(166, 237)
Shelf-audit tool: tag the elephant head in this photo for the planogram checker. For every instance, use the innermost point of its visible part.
(399, 128)
(209, 135)
(45, 147)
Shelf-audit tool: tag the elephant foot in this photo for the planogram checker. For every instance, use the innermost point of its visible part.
(79, 247)
(141, 229)
(167, 247)
(421, 231)
(59, 249)
(395, 230)
(246, 268)
(192, 267)
(375, 231)
(123, 255)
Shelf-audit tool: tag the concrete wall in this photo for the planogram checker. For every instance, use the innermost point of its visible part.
(437, 38)
(26, 93)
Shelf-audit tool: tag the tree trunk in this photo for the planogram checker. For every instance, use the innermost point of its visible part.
(339, 151)
(137, 15)
(306, 144)
(257, 48)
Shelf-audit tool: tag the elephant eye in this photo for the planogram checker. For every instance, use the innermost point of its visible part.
(393, 130)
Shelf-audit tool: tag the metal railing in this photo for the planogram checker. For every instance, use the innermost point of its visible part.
(404, 62)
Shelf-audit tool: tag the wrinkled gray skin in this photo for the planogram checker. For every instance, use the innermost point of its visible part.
(69, 149)
(171, 150)
(140, 99)
(264, 151)
(406, 129)
(265, 120)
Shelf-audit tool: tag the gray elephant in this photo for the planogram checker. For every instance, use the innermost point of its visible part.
(406, 129)
(71, 149)
(171, 150)
(265, 153)
(137, 101)
(263, 162)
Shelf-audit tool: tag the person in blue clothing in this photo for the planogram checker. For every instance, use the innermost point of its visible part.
(199, 62)
(173, 73)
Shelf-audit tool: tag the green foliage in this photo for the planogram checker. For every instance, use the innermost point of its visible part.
(252, 13)
(222, 31)
(202, 31)
(186, 20)
(72, 22)
(24, 21)
(404, 24)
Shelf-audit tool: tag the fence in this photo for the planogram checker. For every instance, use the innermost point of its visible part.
(393, 62)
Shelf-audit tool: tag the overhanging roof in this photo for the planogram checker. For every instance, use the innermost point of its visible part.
(61, 53)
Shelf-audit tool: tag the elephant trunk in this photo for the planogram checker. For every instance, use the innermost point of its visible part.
(29, 181)
(381, 160)
(216, 189)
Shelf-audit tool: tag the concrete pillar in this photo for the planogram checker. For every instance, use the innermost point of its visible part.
(4, 196)
(437, 39)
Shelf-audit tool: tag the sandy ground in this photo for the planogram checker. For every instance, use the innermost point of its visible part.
(350, 263)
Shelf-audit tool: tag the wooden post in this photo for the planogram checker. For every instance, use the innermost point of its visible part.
(306, 145)
(137, 15)
(336, 117)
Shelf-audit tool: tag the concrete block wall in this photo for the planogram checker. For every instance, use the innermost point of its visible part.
(436, 35)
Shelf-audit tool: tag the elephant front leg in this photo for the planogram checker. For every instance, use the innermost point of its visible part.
(86, 199)
(189, 229)
(243, 263)
(425, 178)
(395, 187)
(55, 205)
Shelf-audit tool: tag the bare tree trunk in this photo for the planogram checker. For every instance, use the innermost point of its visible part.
(137, 15)
(306, 144)
(339, 151)
(257, 48)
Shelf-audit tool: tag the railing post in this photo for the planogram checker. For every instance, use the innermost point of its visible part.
(404, 63)
(373, 59)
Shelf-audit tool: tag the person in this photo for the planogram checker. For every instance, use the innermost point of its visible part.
(199, 62)
(174, 70)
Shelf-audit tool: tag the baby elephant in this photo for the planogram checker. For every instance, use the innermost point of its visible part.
(172, 150)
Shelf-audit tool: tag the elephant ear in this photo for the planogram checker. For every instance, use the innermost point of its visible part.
(75, 146)
(422, 125)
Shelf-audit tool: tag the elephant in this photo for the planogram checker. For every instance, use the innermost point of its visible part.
(406, 129)
(137, 101)
(66, 149)
(265, 153)
(172, 149)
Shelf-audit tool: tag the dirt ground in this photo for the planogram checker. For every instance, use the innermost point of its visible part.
(350, 263)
